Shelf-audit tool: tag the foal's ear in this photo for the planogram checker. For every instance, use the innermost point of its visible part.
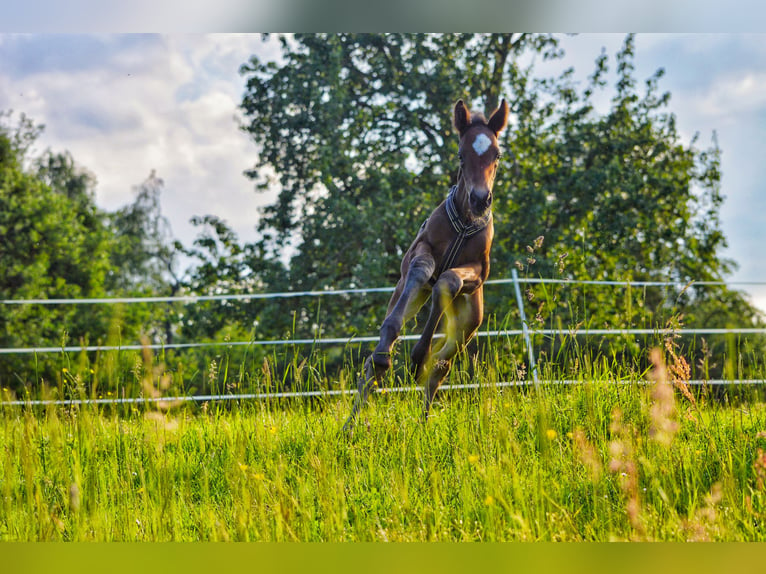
(462, 117)
(499, 118)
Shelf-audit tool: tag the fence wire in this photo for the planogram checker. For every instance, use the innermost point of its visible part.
(347, 341)
(356, 291)
(526, 331)
(339, 392)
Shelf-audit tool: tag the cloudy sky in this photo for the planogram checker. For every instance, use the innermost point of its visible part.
(125, 105)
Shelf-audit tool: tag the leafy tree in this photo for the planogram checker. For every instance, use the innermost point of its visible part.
(145, 255)
(221, 265)
(55, 245)
(355, 129)
(60, 172)
(145, 260)
(616, 196)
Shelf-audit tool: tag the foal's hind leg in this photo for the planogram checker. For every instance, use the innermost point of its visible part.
(445, 291)
(461, 324)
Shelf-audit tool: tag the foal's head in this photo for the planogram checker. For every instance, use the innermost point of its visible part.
(479, 153)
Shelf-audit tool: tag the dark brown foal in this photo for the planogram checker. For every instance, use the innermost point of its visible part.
(449, 261)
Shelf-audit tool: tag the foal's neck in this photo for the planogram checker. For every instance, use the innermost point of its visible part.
(461, 203)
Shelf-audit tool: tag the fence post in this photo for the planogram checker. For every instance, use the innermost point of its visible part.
(524, 327)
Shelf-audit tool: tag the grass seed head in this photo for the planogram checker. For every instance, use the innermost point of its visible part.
(588, 455)
(662, 412)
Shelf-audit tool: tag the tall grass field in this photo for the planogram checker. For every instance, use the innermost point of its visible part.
(603, 457)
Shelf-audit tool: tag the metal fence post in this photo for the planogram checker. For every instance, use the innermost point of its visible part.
(525, 327)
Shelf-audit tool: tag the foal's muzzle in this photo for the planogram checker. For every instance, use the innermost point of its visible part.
(479, 201)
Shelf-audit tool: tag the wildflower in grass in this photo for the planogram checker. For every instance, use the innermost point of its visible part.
(551, 434)
(212, 372)
(701, 526)
(539, 242)
(519, 265)
(679, 369)
(489, 501)
(259, 476)
(473, 458)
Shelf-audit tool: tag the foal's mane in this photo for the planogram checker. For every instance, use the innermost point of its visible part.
(477, 119)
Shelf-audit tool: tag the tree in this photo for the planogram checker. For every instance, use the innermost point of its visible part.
(145, 260)
(55, 245)
(145, 255)
(221, 265)
(356, 129)
(617, 196)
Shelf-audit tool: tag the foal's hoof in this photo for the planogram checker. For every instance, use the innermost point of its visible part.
(348, 427)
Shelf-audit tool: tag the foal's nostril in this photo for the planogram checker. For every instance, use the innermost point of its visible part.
(480, 201)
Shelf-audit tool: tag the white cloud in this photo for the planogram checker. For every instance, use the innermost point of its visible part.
(738, 94)
(143, 103)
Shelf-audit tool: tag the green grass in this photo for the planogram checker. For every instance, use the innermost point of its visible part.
(578, 462)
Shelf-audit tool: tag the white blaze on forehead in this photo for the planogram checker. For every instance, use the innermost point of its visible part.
(481, 144)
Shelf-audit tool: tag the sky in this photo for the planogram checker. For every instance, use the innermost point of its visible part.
(124, 105)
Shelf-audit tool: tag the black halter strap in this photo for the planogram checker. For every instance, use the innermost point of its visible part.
(462, 232)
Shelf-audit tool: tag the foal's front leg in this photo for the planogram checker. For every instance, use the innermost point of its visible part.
(408, 297)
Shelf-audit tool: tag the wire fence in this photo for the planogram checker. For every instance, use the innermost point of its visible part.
(358, 291)
(526, 332)
(346, 341)
(329, 393)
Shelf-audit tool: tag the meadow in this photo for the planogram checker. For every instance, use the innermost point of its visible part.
(643, 458)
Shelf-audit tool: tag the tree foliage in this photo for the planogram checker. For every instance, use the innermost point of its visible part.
(355, 131)
(55, 245)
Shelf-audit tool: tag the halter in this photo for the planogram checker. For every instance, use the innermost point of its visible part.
(462, 232)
